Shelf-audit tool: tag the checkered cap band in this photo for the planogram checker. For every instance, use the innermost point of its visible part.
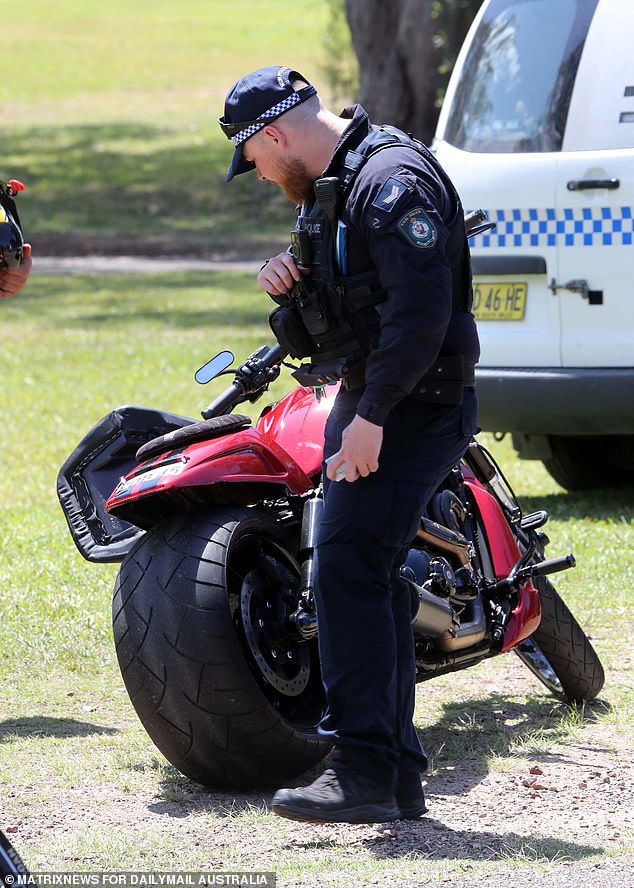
(275, 111)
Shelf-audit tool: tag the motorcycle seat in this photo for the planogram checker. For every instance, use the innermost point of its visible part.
(195, 431)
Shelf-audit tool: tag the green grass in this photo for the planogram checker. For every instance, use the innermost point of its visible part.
(88, 54)
(73, 348)
(109, 116)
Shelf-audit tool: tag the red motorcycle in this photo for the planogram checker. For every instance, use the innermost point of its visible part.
(213, 610)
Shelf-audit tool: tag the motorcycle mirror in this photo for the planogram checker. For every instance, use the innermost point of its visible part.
(214, 367)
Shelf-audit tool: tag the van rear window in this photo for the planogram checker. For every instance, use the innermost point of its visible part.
(518, 76)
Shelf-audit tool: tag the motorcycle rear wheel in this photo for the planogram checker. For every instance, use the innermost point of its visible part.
(559, 654)
(228, 696)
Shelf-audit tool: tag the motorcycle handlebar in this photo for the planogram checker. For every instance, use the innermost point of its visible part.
(275, 355)
(225, 402)
(251, 377)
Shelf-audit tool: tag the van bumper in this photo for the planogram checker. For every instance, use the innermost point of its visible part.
(556, 401)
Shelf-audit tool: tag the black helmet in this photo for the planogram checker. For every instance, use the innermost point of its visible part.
(11, 240)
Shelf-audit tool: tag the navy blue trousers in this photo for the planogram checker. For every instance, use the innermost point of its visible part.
(364, 614)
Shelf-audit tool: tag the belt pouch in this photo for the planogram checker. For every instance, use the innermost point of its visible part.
(290, 332)
(313, 298)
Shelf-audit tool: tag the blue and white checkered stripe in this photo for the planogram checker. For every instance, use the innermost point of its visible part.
(275, 111)
(578, 227)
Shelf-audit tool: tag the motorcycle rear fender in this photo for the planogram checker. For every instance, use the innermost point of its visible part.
(239, 468)
(505, 553)
(284, 450)
(92, 470)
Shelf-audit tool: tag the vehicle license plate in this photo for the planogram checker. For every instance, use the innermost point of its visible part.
(499, 301)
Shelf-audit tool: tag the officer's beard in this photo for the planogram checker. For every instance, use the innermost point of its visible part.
(294, 180)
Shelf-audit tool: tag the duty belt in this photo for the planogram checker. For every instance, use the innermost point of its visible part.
(444, 382)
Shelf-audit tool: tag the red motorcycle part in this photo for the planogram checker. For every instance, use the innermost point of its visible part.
(297, 424)
(284, 449)
(505, 553)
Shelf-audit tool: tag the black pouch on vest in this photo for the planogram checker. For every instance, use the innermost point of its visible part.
(312, 297)
(290, 332)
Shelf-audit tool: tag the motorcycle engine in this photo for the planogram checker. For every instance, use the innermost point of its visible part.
(431, 571)
(440, 595)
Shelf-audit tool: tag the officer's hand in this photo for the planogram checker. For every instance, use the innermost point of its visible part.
(279, 274)
(360, 447)
(13, 279)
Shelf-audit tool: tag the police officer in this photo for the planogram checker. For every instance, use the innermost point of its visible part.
(15, 256)
(376, 291)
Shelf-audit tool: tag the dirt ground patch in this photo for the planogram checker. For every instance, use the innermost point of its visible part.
(564, 816)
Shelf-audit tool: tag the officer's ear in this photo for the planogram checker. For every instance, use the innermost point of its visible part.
(276, 135)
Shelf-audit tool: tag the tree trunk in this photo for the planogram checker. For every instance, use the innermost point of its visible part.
(405, 55)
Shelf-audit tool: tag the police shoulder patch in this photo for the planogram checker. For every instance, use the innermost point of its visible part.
(418, 229)
(388, 196)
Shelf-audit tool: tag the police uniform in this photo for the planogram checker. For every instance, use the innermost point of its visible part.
(395, 223)
(385, 309)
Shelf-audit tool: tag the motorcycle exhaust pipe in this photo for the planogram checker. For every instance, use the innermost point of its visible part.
(445, 540)
(432, 616)
(468, 633)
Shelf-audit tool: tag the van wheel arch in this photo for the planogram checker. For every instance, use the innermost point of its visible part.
(582, 463)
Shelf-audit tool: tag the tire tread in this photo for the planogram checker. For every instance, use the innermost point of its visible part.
(566, 647)
(184, 667)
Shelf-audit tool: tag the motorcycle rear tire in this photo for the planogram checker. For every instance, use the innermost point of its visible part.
(204, 683)
(559, 653)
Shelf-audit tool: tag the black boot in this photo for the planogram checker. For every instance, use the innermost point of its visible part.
(342, 794)
(410, 797)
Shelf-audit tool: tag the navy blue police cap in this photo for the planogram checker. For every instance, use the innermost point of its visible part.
(255, 101)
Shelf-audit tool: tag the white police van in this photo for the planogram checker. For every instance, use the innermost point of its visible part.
(537, 128)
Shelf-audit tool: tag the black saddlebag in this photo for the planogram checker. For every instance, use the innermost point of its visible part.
(94, 469)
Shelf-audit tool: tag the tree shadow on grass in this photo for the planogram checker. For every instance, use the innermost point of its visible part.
(184, 300)
(472, 731)
(45, 726)
(132, 187)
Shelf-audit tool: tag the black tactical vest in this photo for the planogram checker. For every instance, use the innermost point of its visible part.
(331, 317)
